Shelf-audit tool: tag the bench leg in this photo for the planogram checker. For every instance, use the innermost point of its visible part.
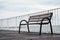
(51, 28)
(19, 28)
(28, 28)
(40, 29)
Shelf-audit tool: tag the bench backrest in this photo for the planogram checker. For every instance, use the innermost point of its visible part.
(37, 18)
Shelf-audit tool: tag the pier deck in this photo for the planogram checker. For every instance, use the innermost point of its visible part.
(13, 35)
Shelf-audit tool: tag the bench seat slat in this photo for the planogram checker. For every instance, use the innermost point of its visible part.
(36, 20)
(47, 14)
(40, 16)
(34, 23)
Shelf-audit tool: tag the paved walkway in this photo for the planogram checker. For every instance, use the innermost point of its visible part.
(13, 35)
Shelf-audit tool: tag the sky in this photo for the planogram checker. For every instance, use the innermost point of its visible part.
(12, 8)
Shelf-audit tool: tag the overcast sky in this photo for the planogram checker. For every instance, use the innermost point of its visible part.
(12, 8)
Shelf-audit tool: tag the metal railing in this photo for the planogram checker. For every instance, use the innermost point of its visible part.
(13, 23)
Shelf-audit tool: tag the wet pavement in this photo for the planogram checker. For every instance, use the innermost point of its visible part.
(14, 35)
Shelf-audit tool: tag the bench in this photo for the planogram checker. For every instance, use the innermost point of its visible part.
(38, 19)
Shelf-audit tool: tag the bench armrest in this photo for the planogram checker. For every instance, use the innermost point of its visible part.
(45, 18)
(22, 21)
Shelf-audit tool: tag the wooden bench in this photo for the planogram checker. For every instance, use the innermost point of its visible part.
(38, 19)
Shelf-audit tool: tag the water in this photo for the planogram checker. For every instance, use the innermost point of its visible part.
(35, 28)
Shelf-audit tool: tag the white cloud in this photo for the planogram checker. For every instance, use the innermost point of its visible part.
(12, 8)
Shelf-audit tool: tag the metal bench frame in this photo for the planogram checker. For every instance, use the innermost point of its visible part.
(48, 18)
